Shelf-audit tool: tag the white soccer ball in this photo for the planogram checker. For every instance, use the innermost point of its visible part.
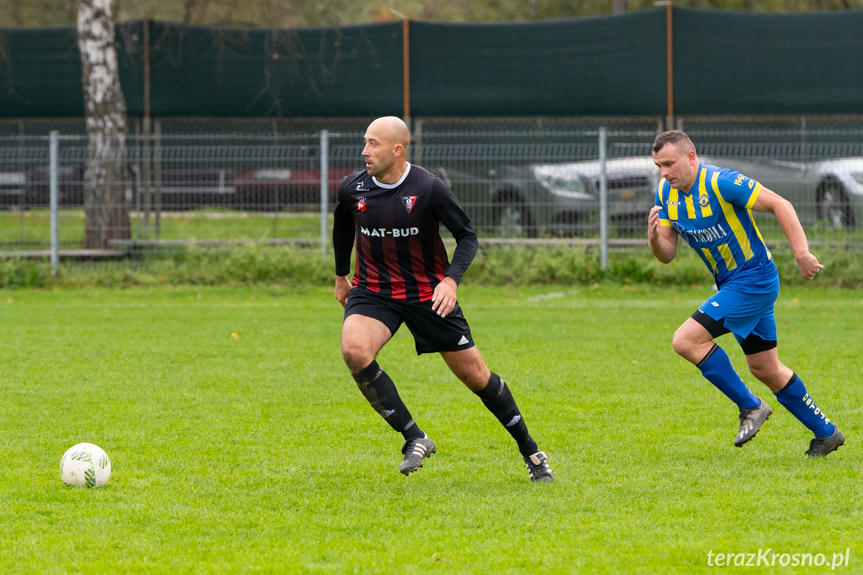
(85, 465)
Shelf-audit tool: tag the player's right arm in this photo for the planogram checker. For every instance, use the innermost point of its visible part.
(661, 237)
(343, 241)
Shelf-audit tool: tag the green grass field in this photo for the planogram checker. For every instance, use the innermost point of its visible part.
(257, 453)
(32, 227)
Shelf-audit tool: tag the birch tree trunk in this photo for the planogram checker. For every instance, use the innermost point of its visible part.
(106, 216)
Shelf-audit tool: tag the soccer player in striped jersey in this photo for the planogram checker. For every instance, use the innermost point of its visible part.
(711, 208)
(392, 212)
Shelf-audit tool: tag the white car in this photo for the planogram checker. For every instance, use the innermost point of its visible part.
(838, 186)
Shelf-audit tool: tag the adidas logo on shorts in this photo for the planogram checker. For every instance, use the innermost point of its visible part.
(463, 341)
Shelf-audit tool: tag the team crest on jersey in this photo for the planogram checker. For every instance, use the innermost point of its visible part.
(703, 200)
(409, 202)
(361, 204)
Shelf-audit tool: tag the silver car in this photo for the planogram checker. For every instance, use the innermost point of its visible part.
(829, 191)
(556, 198)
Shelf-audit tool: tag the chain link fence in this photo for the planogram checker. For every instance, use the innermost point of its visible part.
(531, 180)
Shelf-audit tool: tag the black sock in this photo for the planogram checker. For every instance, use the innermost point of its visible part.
(381, 393)
(498, 399)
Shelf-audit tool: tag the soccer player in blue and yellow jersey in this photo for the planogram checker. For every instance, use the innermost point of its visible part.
(392, 212)
(711, 208)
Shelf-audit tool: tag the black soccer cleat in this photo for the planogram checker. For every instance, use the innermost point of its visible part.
(822, 446)
(537, 467)
(415, 450)
(751, 421)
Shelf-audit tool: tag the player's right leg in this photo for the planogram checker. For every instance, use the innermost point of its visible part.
(363, 336)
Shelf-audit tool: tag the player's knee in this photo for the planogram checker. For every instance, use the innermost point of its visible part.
(474, 377)
(355, 355)
(680, 343)
(762, 372)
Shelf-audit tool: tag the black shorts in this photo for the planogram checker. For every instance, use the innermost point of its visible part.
(431, 332)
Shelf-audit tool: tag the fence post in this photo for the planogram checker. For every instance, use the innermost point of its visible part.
(53, 152)
(603, 198)
(155, 153)
(325, 160)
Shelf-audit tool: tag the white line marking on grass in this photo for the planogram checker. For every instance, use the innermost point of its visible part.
(547, 296)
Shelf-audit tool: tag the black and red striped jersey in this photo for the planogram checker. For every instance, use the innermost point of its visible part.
(396, 231)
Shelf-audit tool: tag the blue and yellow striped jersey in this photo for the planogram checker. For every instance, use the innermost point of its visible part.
(715, 218)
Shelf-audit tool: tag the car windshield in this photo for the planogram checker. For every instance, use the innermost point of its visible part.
(554, 180)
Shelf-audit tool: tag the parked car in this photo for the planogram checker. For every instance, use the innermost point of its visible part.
(182, 187)
(556, 198)
(13, 186)
(31, 188)
(838, 186)
(826, 190)
(278, 188)
(178, 186)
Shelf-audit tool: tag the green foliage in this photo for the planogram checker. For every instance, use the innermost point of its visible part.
(251, 264)
(256, 264)
(563, 265)
(843, 266)
(17, 273)
(239, 442)
(270, 13)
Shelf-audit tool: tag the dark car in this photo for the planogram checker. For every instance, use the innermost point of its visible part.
(13, 187)
(279, 188)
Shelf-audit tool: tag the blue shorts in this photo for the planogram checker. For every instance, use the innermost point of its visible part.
(744, 304)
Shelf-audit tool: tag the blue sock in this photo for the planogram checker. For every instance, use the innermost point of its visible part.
(718, 370)
(796, 400)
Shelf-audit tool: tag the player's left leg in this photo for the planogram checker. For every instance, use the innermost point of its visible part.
(451, 337)
(470, 367)
(792, 394)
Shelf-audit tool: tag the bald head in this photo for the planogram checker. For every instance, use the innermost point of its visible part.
(387, 140)
(392, 130)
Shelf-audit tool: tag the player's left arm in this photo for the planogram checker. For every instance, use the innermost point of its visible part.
(450, 213)
(769, 201)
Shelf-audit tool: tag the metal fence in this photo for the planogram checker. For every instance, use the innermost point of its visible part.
(530, 179)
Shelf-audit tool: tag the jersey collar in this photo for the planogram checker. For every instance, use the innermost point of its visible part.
(395, 185)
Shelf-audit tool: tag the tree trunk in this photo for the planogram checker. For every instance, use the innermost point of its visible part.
(106, 215)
